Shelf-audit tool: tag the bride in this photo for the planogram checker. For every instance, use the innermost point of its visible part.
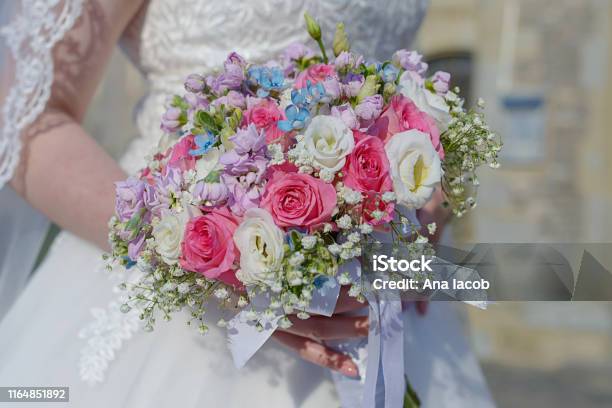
(65, 329)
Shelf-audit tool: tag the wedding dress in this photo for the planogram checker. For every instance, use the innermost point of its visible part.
(66, 329)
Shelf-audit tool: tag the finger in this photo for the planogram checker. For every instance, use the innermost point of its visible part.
(329, 328)
(347, 303)
(317, 353)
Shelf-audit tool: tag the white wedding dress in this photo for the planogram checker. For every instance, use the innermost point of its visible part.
(66, 330)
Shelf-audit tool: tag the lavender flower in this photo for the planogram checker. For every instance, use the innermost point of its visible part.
(151, 199)
(233, 99)
(297, 50)
(347, 114)
(135, 246)
(351, 85)
(129, 198)
(441, 82)
(244, 169)
(410, 61)
(370, 107)
(210, 194)
(194, 83)
(172, 120)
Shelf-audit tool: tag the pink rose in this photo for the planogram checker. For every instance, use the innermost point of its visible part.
(208, 246)
(315, 73)
(402, 114)
(299, 200)
(373, 202)
(265, 116)
(367, 167)
(180, 157)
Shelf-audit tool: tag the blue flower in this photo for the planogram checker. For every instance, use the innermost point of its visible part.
(268, 79)
(389, 73)
(204, 143)
(296, 118)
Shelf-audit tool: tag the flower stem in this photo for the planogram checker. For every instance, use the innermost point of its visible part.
(322, 47)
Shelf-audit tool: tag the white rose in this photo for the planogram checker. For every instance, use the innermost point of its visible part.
(431, 103)
(415, 167)
(168, 234)
(260, 243)
(329, 141)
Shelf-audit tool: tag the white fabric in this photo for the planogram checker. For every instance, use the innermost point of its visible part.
(30, 29)
(70, 304)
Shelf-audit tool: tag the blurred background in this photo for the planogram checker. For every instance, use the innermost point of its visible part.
(543, 67)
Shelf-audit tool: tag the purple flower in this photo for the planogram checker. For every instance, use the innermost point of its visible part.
(168, 186)
(347, 60)
(441, 82)
(295, 51)
(370, 108)
(194, 83)
(231, 78)
(332, 87)
(234, 59)
(347, 114)
(248, 140)
(172, 120)
(128, 198)
(135, 247)
(150, 198)
(242, 195)
(211, 194)
(351, 85)
(196, 102)
(410, 61)
(233, 99)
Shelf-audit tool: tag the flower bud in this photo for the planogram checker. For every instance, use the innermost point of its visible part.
(341, 42)
(314, 29)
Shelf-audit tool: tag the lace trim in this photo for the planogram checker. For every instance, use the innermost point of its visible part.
(107, 332)
(31, 36)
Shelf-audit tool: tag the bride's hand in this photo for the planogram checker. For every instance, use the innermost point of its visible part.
(306, 337)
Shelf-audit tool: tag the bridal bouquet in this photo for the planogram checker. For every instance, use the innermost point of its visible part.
(269, 177)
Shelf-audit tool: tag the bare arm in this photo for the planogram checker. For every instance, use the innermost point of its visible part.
(63, 172)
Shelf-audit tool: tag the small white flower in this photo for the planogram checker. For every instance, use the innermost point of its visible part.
(422, 240)
(389, 196)
(378, 215)
(344, 222)
(296, 259)
(326, 175)
(222, 323)
(309, 241)
(303, 315)
(354, 237)
(344, 279)
(221, 293)
(366, 228)
(335, 249)
(242, 302)
(327, 227)
(251, 315)
(431, 228)
(183, 287)
(284, 323)
(276, 153)
(351, 196)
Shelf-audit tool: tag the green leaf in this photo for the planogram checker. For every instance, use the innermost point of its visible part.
(205, 120)
(341, 41)
(213, 177)
(411, 399)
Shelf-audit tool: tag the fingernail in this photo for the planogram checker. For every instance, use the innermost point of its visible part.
(349, 369)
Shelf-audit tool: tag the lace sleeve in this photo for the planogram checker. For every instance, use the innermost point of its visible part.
(32, 29)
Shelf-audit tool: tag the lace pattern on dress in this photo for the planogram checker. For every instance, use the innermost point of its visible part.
(31, 36)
